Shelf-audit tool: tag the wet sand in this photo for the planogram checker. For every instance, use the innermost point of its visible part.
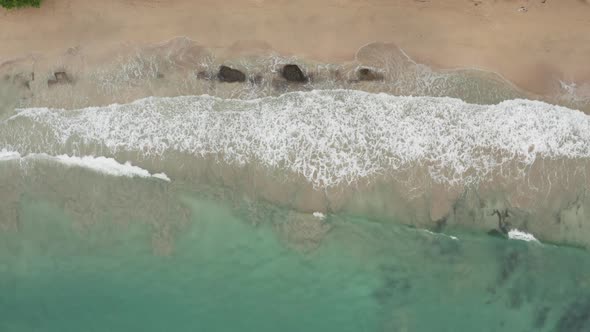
(532, 43)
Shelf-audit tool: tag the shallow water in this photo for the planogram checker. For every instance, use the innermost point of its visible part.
(427, 161)
(312, 210)
(227, 263)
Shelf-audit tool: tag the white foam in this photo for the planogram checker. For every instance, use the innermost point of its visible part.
(440, 234)
(102, 165)
(515, 234)
(330, 137)
(105, 165)
(319, 215)
(161, 176)
(8, 155)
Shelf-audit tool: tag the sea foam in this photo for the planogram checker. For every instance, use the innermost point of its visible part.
(515, 234)
(330, 137)
(319, 215)
(102, 165)
(8, 155)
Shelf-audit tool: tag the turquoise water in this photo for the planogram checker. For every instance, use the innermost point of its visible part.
(235, 265)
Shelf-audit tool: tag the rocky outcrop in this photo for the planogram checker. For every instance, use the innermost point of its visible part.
(230, 75)
(59, 77)
(366, 74)
(293, 73)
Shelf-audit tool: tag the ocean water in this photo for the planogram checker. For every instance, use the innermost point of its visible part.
(87, 251)
(323, 210)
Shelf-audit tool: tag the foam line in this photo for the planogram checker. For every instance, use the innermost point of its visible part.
(108, 166)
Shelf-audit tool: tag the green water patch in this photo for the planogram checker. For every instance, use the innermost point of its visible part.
(223, 275)
(230, 269)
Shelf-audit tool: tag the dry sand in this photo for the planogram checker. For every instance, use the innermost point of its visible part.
(534, 47)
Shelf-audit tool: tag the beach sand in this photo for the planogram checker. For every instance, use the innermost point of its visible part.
(534, 44)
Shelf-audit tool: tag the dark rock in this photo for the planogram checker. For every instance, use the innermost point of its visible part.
(440, 224)
(503, 225)
(366, 74)
(293, 73)
(230, 75)
(60, 77)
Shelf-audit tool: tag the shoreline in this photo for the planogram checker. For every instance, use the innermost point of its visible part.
(181, 66)
(493, 37)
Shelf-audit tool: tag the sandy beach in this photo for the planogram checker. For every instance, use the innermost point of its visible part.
(532, 43)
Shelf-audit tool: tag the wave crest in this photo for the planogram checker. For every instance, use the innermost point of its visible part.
(108, 166)
(330, 137)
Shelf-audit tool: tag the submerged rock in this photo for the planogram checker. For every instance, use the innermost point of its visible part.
(576, 317)
(293, 73)
(510, 263)
(395, 283)
(366, 74)
(230, 75)
(60, 77)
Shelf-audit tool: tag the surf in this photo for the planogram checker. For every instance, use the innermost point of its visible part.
(430, 160)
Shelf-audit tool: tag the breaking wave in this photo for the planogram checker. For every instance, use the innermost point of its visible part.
(330, 137)
(108, 166)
